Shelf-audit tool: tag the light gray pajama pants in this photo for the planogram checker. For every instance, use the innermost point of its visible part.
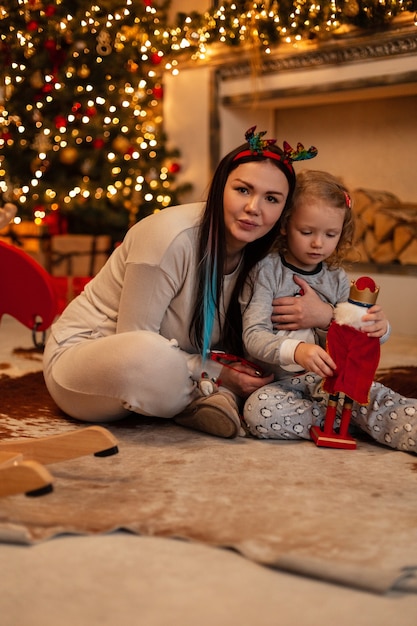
(287, 409)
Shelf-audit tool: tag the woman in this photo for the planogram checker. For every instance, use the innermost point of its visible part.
(134, 339)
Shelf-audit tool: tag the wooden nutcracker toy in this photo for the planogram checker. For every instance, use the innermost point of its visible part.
(356, 356)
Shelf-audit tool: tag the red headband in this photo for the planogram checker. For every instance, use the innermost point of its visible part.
(268, 155)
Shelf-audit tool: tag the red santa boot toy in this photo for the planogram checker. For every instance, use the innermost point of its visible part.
(356, 356)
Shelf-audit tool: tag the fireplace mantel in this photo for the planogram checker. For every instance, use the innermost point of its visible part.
(339, 68)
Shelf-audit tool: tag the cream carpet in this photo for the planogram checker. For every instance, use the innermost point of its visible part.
(348, 517)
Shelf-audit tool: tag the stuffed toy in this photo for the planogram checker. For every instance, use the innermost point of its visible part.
(356, 356)
(7, 213)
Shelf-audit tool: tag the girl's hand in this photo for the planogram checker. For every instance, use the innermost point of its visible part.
(293, 312)
(243, 379)
(376, 322)
(313, 358)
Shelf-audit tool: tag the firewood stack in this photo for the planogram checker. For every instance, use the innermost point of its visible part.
(386, 229)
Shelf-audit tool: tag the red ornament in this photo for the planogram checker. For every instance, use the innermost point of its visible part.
(50, 10)
(98, 143)
(174, 168)
(147, 3)
(156, 58)
(76, 107)
(91, 111)
(50, 45)
(158, 92)
(32, 26)
(60, 121)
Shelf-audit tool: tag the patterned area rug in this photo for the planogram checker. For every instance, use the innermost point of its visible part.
(347, 517)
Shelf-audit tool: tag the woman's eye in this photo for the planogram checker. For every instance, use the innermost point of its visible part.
(272, 199)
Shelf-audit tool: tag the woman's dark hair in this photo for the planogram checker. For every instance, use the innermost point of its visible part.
(212, 250)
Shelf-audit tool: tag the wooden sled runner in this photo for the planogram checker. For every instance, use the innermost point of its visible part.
(22, 461)
(20, 476)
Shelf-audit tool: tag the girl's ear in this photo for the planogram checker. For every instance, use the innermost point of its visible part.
(283, 231)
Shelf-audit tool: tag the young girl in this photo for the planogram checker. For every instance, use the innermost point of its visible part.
(137, 338)
(314, 235)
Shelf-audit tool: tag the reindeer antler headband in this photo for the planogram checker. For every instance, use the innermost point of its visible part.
(258, 145)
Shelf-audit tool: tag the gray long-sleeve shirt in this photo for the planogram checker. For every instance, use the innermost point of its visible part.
(272, 278)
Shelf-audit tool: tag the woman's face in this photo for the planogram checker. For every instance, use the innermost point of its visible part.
(254, 198)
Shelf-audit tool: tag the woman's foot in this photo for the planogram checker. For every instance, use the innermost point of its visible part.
(216, 415)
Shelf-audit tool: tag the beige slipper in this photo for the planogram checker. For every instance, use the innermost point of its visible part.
(216, 415)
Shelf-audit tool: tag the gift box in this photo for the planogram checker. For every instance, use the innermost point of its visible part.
(78, 255)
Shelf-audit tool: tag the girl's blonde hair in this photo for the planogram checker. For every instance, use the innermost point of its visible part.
(313, 185)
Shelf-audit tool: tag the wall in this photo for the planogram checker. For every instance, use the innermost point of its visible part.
(186, 122)
(368, 143)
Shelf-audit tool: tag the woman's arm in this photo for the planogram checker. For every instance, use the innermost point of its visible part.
(293, 313)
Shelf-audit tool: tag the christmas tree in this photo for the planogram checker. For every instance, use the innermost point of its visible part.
(82, 147)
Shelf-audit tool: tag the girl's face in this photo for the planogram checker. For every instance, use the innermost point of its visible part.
(313, 232)
(254, 198)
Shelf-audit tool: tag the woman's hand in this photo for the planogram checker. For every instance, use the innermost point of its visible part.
(375, 322)
(294, 312)
(313, 358)
(243, 379)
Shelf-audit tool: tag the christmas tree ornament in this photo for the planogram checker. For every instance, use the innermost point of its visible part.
(37, 80)
(158, 92)
(103, 47)
(356, 356)
(84, 71)
(121, 144)
(156, 58)
(32, 26)
(174, 168)
(68, 155)
(60, 121)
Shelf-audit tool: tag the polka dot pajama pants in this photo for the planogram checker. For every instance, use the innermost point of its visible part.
(287, 409)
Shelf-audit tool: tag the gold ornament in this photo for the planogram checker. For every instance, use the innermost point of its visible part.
(121, 144)
(68, 155)
(36, 80)
(103, 47)
(84, 71)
